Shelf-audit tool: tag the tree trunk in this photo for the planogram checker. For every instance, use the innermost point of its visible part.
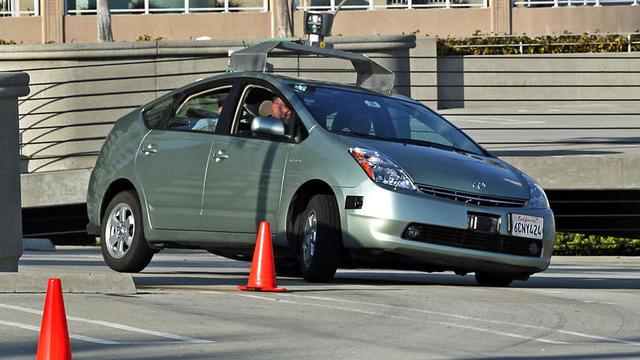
(104, 21)
(283, 23)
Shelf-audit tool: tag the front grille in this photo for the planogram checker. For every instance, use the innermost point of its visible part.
(475, 240)
(470, 198)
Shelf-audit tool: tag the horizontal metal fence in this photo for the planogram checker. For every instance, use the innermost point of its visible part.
(390, 4)
(180, 6)
(526, 105)
(569, 3)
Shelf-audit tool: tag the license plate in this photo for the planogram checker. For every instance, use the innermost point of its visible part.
(531, 227)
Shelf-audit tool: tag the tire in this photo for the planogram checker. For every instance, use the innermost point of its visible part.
(493, 279)
(124, 247)
(319, 234)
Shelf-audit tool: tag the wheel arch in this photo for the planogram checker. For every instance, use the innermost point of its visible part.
(114, 188)
(299, 202)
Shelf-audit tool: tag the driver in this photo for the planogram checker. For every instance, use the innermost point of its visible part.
(280, 110)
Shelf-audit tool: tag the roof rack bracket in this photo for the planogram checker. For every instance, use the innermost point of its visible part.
(371, 75)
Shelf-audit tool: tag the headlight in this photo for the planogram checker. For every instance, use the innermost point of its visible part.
(381, 169)
(537, 197)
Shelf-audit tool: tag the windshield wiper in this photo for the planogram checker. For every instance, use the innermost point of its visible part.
(365, 135)
(407, 141)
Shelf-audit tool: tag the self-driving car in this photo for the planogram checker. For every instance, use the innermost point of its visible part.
(351, 177)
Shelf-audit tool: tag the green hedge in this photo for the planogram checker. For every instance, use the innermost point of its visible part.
(580, 244)
(7, 42)
(552, 44)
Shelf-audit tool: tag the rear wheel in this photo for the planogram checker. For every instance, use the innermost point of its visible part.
(494, 279)
(318, 228)
(124, 247)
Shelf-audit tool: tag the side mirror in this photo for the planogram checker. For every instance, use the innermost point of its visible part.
(179, 120)
(267, 126)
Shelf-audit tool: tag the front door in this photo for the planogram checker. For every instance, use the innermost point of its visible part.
(244, 181)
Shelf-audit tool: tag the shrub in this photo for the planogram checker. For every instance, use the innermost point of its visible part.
(7, 42)
(556, 44)
(580, 244)
(147, 37)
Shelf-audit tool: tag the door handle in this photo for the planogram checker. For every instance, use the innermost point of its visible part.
(149, 149)
(220, 155)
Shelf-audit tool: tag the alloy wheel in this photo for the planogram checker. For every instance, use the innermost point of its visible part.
(120, 230)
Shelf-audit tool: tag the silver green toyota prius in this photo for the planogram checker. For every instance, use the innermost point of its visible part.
(348, 177)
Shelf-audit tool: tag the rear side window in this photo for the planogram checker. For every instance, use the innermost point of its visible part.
(155, 113)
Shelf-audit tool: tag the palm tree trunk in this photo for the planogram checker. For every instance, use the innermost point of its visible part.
(283, 23)
(104, 21)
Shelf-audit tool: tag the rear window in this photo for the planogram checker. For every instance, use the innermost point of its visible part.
(154, 114)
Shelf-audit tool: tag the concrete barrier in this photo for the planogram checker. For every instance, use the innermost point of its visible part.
(12, 85)
(80, 283)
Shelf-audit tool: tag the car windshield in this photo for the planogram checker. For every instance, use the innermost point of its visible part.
(367, 115)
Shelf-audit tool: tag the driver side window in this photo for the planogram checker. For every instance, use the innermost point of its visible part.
(256, 102)
(200, 112)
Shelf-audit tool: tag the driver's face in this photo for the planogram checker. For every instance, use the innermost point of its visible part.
(280, 110)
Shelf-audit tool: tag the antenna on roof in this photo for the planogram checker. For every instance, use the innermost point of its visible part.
(317, 25)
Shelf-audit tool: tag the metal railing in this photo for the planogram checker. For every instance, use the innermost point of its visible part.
(391, 4)
(19, 8)
(146, 7)
(569, 3)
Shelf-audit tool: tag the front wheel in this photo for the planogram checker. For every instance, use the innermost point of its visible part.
(318, 228)
(124, 247)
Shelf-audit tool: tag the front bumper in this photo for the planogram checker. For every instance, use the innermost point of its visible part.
(385, 214)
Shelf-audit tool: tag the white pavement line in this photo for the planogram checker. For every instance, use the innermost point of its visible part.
(464, 317)
(72, 336)
(373, 313)
(56, 257)
(601, 303)
(113, 325)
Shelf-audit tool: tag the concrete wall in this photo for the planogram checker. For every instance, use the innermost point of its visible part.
(172, 26)
(26, 30)
(569, 120)
(526, 80)
(426, 22)
(433, 22)
(576, 19)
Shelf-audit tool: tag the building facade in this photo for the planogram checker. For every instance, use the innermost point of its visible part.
(73, 21)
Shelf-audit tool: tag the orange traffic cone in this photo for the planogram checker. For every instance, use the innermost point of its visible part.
(263, 269)
(54, 335)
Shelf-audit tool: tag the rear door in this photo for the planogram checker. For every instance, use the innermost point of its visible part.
(172, 161)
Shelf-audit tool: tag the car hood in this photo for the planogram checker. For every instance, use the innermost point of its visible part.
(450, 169)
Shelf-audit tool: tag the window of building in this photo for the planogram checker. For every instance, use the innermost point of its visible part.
(79, 7)
(391, 4)
(19, 7)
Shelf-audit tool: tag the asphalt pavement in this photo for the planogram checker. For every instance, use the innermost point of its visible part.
(187, 306)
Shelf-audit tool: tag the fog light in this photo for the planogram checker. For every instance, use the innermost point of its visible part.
(412, 232)
(534, 249)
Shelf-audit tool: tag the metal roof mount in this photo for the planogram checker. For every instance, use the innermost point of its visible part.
(371, 75)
